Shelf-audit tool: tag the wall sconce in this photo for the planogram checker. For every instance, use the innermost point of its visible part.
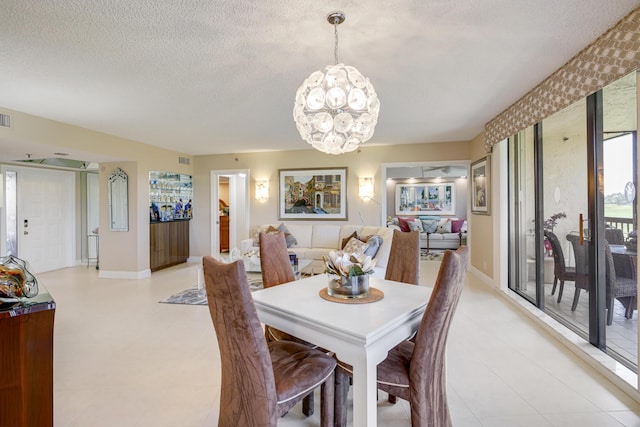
(366, 188)
(262, 191)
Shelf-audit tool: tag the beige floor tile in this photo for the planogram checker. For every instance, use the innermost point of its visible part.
(121, 358)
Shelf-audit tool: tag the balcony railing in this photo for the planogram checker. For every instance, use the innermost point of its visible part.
(624, 224)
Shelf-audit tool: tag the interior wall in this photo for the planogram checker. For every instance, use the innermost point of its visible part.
(564, 136)
(481, 232)
(135, 158)
(223, 190)
(265, 166)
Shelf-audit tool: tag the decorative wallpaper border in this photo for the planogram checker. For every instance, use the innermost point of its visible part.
(613, 55)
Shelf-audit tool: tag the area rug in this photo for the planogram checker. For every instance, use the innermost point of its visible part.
(195, 296)
(432, 255)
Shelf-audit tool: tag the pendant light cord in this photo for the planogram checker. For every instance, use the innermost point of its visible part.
(335, 33)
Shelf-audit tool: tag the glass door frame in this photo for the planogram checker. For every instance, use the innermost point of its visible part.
(595, 223)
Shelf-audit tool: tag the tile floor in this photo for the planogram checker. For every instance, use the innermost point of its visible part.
(123, 359)
(621, 335)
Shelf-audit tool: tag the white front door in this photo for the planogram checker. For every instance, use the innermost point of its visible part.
(46, 218)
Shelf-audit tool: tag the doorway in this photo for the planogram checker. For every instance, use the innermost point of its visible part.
(235, 216)
(39, 218)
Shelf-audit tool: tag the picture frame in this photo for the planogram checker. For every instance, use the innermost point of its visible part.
(312, 194)
(481, 186)
(426, 198)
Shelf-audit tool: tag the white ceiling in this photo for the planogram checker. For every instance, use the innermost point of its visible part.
(208, 77)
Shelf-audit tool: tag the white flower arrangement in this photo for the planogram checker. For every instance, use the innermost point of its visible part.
(348, 265)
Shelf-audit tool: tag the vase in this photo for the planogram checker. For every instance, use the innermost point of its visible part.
(348, 287)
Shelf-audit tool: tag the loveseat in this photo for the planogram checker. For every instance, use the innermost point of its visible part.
(313, 241)
(435, 232)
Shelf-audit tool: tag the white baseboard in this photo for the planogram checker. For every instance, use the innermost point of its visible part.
(483, 277)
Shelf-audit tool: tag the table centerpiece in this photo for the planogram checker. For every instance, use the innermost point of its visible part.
(348, 274)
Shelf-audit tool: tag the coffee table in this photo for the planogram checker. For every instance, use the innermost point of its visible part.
(306, 267)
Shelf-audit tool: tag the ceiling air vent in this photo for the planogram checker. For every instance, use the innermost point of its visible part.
(184, 160)
(5, 120)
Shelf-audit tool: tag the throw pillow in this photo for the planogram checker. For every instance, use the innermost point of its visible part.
(456, 225)
(403, 223)
(444, 227)
(288, 237)
(355, 246)
(415, 225)
(373, 245)
(434, 217)
(271, 230)
(430, 225)
(346, 239)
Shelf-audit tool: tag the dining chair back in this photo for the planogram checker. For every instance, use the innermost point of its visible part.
(581, 254)
(274, 259)
(560, 270)
(618, 287)
(427, 372)
(404, 257)
(260, 381)
(614, 236)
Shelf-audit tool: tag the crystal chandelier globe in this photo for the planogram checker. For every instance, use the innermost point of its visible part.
(336, 110)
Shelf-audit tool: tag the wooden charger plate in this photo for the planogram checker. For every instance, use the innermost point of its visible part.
(374, 295)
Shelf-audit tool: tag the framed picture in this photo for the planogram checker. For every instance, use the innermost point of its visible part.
(420, 199)
(480, 186)
(312, 194)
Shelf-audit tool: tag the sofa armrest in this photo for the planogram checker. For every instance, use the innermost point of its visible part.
(246, 245)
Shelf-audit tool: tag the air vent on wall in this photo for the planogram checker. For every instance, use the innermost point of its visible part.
(184, 160)
(5, 120)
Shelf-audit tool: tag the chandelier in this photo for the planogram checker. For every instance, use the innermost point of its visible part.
(337, 110)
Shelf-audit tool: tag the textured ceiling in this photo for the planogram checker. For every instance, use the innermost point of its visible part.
(220, 76)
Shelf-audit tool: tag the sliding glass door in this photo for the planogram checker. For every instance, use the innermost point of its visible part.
(573, 217)
(619, 105)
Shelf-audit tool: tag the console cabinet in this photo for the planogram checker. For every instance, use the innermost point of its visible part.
(26, 355)
(169, 244)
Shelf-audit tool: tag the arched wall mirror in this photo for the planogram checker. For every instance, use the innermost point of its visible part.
(118, 201)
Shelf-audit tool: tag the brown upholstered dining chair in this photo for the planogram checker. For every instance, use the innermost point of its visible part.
(416, 371)
(404, 257)
(260, 381)
(560, 270)
(276, 269)
(404, 263)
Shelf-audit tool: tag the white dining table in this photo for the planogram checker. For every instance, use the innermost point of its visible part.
(359, 334)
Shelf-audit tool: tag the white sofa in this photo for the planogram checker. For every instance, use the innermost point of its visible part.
(316, 240)
(437, 237)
